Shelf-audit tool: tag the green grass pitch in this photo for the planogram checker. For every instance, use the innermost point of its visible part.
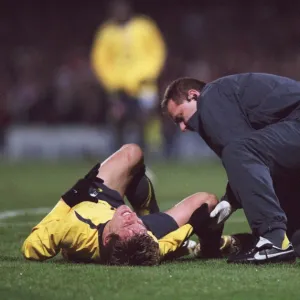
(34, 185)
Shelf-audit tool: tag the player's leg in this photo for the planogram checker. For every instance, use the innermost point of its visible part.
(124, 172)
(118, 170)
(230, 245)
(212, 244)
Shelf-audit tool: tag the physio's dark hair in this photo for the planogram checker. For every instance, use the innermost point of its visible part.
(139, 250)
(178, 90)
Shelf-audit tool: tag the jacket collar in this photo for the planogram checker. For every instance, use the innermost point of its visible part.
(194, 122)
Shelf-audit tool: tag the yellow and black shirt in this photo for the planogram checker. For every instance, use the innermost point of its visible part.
(73, 232)
(74, 227)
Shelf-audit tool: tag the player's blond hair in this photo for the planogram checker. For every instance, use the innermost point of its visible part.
(139, 250)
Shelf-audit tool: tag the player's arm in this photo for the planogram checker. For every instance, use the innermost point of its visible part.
(193, 210)
(41, 244)
(43, 241)
(190, 214)
(183, 211)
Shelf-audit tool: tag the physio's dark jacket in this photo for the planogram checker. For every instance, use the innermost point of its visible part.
(233, 117)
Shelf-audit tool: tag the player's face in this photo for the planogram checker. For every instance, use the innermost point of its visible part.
(181, 113)
(126, 224)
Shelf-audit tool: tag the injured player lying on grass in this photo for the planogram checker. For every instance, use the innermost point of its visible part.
(91, 222)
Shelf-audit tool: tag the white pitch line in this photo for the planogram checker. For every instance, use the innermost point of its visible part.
(21, 212)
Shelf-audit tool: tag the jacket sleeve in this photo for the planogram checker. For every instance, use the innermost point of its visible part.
(103, 58)
(222, 117)
(230, 197)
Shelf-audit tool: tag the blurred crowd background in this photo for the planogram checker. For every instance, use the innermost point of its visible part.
(105, 64)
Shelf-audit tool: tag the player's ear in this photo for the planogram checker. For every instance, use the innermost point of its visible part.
(106, 239)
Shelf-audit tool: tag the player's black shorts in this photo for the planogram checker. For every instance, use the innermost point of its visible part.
(91, 188)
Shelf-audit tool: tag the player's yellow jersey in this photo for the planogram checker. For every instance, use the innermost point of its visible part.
(76, 232)
(73, 231)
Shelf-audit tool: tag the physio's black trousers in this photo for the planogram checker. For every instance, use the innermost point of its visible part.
(263, 170)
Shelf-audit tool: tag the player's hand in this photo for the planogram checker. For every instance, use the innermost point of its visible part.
(222, 212)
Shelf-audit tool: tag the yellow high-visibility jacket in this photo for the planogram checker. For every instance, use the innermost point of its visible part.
(125, 56)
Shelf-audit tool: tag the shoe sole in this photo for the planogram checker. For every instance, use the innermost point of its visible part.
(288, 259)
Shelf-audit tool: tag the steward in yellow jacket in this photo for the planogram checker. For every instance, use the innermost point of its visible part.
(128, 56)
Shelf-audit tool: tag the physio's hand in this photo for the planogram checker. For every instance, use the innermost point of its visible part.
(222, 212)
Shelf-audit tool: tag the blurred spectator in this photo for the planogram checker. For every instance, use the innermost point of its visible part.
(4, 118)
(77, 92)
(128, 55)
(29, 86)
(46, 78)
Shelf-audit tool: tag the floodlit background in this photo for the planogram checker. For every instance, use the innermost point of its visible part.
(75, 85)
(68, 91)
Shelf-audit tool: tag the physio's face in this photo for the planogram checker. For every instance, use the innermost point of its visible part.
(181, 113)
(126, 224)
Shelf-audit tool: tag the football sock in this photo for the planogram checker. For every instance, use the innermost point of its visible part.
(209, 238)
(285, 242)
(225, 242)
(278, 238)
(140, 194)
